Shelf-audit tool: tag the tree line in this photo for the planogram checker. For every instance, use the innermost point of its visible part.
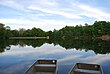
(6, 32)
(98, 28)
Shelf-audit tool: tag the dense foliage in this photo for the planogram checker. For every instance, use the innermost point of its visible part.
(6, 32)
(99, 28)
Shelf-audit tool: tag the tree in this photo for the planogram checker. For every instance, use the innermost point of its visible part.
(21, 32)
(2, 31)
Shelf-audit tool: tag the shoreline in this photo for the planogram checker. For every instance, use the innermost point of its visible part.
(104, 37)
(29, 37)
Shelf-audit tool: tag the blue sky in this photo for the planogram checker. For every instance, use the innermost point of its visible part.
(52, 14)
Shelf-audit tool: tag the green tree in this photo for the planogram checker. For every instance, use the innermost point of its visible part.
(2, 31)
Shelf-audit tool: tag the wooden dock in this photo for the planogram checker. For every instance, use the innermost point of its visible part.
(22, 38)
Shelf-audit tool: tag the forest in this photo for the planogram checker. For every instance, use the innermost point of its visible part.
(97, 29)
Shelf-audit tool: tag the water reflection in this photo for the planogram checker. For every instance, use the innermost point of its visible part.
(98, 46)
(18, 55)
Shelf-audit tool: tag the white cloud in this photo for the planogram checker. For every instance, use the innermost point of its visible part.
(41, 23)
(48, 2)
(94, 12)
(55, 11)
(74, 14)
(12, 4)
(18, 21)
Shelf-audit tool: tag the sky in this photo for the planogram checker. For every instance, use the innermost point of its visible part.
(52, 14)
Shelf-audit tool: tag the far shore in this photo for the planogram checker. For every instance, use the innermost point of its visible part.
(29, 37)
(103, 37)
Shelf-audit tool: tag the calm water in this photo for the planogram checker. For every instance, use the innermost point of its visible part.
(17, 56)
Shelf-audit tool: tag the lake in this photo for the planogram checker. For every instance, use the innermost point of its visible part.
(16, 56)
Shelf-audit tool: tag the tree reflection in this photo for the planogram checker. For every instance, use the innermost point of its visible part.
(5, 45)
(98, 46)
